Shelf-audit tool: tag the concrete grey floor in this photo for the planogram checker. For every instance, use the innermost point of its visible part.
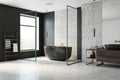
(45, 69)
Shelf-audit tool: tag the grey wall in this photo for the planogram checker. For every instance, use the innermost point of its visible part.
(91, 18)
(49, 29)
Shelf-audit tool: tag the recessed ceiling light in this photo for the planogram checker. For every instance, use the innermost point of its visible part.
(116, 4)
(49, 3)
(46, 11)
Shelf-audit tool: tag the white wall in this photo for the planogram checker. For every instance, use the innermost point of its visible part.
(111, 31)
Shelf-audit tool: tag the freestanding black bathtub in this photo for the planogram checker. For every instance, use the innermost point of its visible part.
(57, 53)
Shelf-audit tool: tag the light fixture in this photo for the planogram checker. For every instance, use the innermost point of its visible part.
(115, 4)
(50, 3)
(46, 11)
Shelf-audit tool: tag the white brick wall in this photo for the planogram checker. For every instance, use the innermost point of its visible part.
(60, 30)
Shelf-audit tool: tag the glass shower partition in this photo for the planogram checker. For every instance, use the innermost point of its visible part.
(71, 32)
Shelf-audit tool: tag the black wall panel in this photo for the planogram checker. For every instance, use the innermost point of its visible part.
(10, 20)
(79, 33)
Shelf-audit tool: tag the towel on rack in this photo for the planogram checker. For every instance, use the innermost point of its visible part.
(15, 47)
(7, 44)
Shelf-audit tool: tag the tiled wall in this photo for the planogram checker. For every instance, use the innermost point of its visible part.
(61, 27)
(91, 18)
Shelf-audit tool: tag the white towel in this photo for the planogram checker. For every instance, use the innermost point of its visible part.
(7, 44)
(15, 47)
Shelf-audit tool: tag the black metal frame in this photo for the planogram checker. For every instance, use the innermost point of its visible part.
(26, 15)
(77, 61)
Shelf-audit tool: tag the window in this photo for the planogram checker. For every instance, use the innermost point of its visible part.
(27, 32)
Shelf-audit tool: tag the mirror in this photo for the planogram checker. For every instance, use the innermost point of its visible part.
(111, 22)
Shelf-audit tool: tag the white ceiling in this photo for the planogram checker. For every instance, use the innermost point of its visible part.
(111, 9)
(40, 5)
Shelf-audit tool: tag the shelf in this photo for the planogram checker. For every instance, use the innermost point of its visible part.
(90, 58)
(13, 55)
(10, 52)
(12, 37)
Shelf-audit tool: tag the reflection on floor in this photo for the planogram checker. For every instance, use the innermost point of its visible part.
(45, 69)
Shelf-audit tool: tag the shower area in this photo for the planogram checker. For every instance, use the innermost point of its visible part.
(65, 44)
